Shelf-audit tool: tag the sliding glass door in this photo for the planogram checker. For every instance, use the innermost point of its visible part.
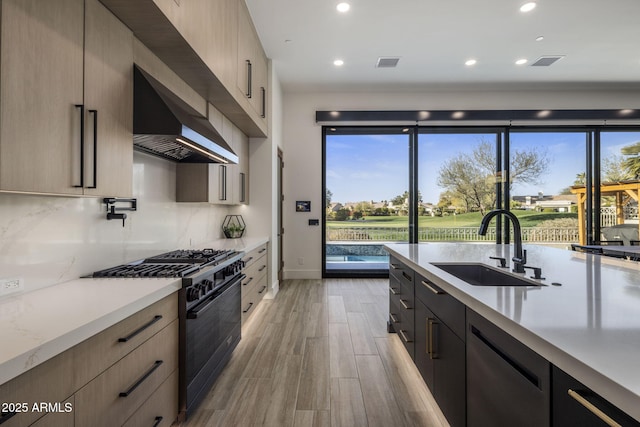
(566, 185)
(366, 183)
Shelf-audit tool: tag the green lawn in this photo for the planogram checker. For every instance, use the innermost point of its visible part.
(526, 218)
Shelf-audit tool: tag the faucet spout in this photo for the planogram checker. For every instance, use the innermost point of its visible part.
(520, 257)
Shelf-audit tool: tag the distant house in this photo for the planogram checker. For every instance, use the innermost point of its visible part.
(335, 207)
(559, 203)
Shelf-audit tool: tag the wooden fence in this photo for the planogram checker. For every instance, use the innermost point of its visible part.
(450, 234)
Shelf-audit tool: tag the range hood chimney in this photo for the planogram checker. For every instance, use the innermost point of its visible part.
(166, 126)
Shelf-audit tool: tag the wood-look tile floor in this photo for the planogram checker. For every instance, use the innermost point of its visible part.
(319, 355)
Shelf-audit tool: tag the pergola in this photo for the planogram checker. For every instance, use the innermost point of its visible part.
(624, 192)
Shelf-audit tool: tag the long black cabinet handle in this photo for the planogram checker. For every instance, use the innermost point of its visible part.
(406, 276)
(262, 268)
(262, 290)
(533, 379)
(157, 421)
(140, 329)
(248, 308)
(155, 366)
(249, 78)
(81, 107)
(222, 191)
(593, 409)
(246, 261)
(6, 416)
(262, 250)
(248, 281)
(264, 102)
(95, 148)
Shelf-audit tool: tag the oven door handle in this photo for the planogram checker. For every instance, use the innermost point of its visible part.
(200, 309)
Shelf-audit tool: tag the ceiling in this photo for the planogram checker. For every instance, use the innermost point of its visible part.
(600, 41)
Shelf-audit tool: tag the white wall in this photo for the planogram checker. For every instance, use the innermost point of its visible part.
(48, 240)
(302, 139)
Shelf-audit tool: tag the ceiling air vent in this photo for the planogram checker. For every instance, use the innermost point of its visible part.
(387, 62)
(545, 61)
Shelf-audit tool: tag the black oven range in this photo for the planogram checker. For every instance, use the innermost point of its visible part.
(209, 312)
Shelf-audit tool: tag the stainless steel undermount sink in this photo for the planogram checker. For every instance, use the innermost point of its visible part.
(478, 274)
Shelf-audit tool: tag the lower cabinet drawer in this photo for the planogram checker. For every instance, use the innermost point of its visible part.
(161, 409)
(51, 381)
(117, 393)
(252, 294)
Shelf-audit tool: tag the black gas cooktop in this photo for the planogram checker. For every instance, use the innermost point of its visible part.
(178, 263)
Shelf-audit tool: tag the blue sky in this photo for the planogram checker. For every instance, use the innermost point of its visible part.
(364, 167)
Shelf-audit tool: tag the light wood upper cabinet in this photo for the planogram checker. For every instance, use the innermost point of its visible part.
(108, 98)
(40, 86)
(252, 64)
(50, 91)
(209, 26)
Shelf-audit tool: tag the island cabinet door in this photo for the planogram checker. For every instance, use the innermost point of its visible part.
(440, 358)
(574, 404)
(508, 384)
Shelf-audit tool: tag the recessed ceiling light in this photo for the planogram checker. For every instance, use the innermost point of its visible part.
(458, 114)
(338, 62)
(543, 114)
(539, 38)
(528, 7)
(343, 7)
(521, 61)
(626, 112)
(470, 62)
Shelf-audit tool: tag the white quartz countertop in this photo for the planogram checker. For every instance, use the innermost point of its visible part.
(243, 244)
(39, 325)
(589, 326)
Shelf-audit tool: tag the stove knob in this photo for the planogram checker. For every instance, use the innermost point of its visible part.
(193, 294)
(207, 285)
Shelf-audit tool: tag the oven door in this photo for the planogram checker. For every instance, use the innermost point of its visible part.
(212, 332)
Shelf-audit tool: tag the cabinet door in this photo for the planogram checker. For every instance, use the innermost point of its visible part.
(423, 360)
(440, 358)
(41, 84)
(241, 170)
(576, 405)
(252, 64)
(108, 98)
(221, 184)
(450, 372)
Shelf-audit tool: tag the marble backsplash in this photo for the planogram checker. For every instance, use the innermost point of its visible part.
(48, 240)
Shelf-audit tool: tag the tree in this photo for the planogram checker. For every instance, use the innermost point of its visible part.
(614, 170)
(327, 196)
(471, 176)
(342, 214)
(632, 163)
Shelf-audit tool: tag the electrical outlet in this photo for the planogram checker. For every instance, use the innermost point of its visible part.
(10, 286)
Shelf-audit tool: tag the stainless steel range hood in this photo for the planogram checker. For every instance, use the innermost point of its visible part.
(166, 126)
